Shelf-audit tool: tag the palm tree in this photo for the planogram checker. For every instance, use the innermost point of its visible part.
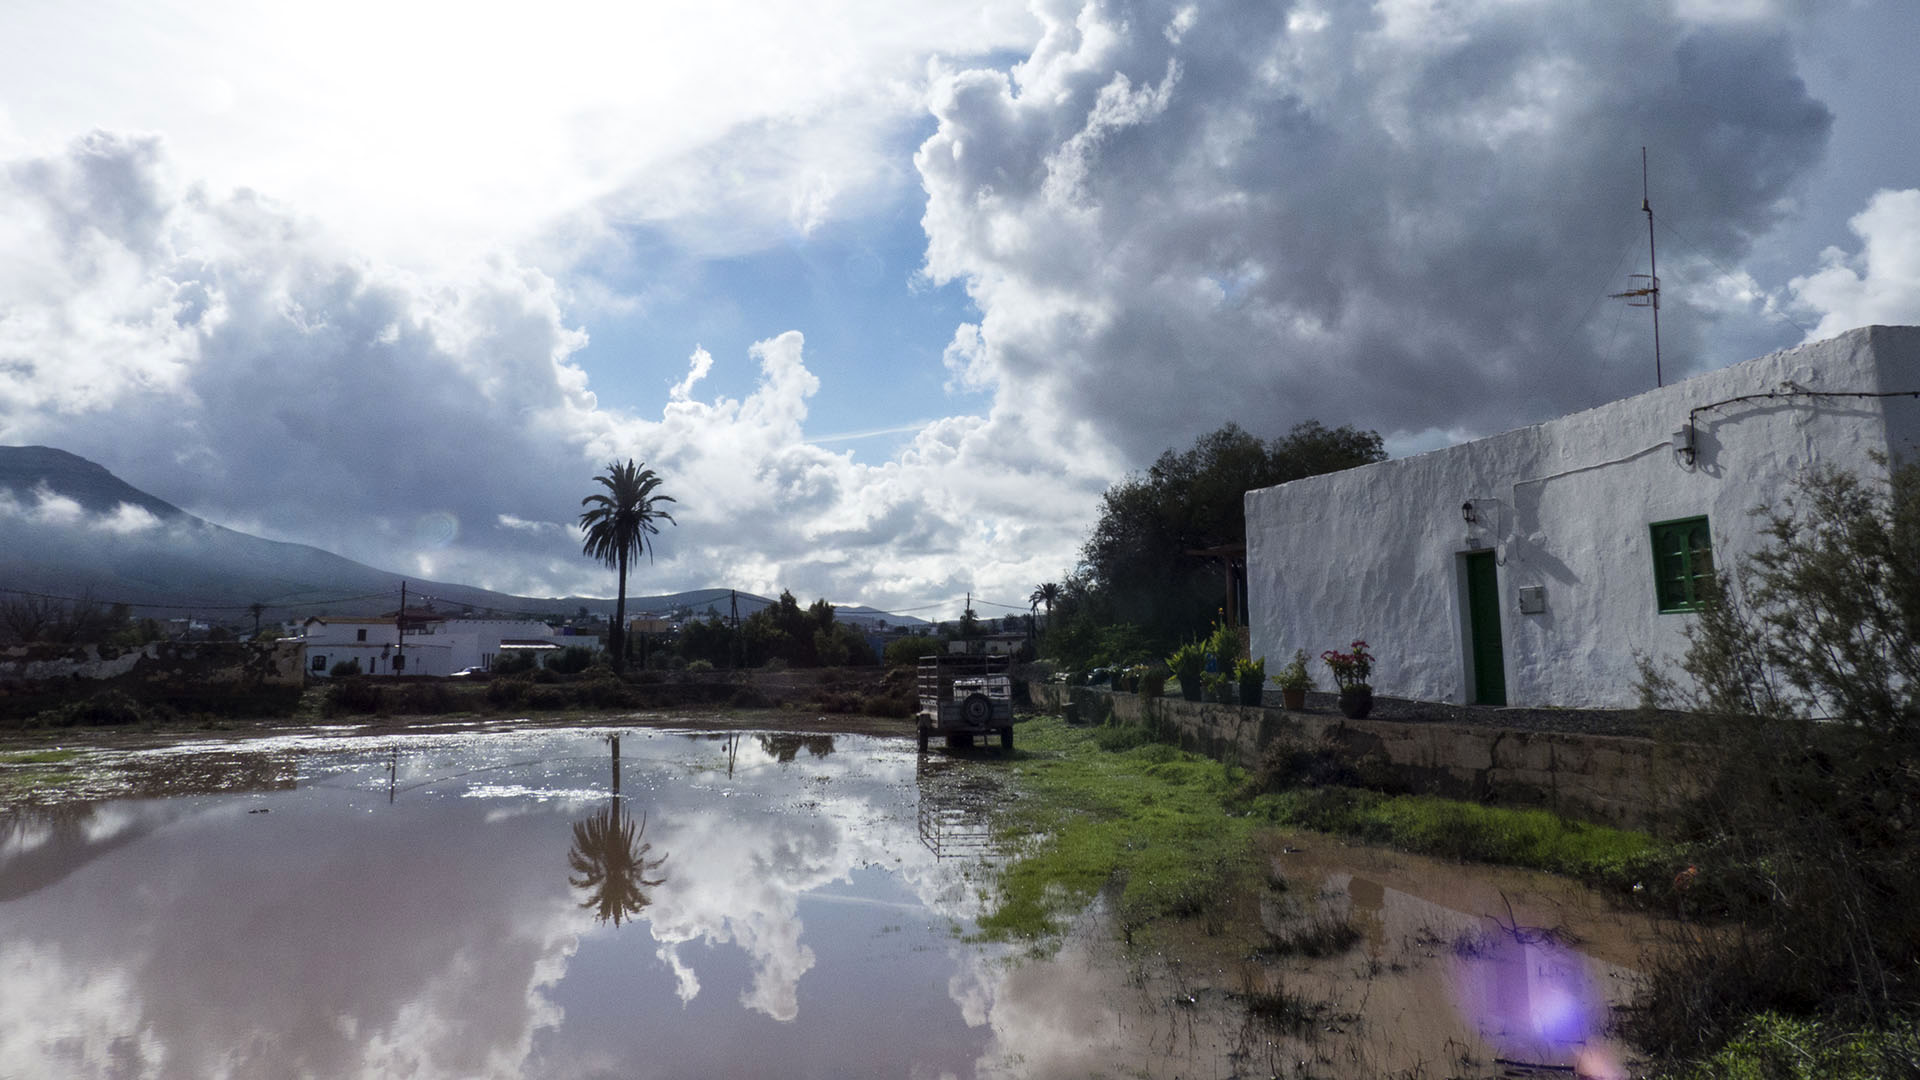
(1046, 594)
(619, 525)
(609, 861)
(610, 864)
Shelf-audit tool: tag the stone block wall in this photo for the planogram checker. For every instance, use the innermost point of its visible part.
(1609, 780)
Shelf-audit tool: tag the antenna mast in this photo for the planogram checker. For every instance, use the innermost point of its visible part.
(1649, 296)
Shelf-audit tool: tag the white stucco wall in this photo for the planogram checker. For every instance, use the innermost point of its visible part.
(1376, 552)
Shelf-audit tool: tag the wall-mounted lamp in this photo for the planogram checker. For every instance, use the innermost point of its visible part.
(1683, 443)
(1467, 512)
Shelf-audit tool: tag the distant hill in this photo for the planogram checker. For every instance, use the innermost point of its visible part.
(131, 546)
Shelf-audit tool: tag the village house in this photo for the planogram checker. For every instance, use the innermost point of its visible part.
(1533, 567)
(435, 644)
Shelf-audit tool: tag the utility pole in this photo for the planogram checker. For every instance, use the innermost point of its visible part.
(400, 625)
(734, 645)
(1648, 297)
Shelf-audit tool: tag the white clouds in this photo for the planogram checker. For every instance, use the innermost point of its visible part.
(434, 133)
(436, 422)
(1386, 217)
(1879, 285)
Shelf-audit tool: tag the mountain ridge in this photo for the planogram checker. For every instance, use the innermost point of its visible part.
(163, 558)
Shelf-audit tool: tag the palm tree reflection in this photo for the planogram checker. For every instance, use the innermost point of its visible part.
(609, 858)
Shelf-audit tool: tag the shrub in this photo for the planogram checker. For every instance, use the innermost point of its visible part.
(344, 669)
(424, 699)
(546, 697)
(108, 708)
(1153, 680)
(507, 693)
(1803, 829)
(571, 660)
(351, 696)
(699, 667)
(513, 663)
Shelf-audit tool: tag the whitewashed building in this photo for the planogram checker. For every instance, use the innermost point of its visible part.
(435, 644)
(1529, 567)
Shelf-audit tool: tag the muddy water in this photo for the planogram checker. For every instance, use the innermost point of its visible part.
(654, 903)
(1447, 971)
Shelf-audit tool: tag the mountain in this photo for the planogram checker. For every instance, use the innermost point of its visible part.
(68, 527)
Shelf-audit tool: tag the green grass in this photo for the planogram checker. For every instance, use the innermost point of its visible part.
(1612, 858)
(38, 757)
(1149, 822)
(1775, 1047)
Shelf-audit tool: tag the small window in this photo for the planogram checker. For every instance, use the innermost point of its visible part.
(360, 634)
(1682, 563)
(319, 663)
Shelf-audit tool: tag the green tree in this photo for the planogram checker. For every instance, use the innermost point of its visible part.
(619, 524)
(1045, 593)
(1138, 565)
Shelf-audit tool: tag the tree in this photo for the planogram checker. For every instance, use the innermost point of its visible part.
(619, 524)
(1138, 565)
(609, 860)
(1045, 593)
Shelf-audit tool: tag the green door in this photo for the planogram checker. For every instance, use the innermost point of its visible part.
(1483, 628)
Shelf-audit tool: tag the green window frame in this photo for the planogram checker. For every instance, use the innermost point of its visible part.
(1682, 563)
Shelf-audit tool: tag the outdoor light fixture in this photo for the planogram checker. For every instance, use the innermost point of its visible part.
(1467, 512)
(1683, 443)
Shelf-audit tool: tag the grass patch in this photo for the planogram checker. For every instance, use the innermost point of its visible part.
(1150, 825)
(38, 757)
(1611, 858)
(1775, 1047)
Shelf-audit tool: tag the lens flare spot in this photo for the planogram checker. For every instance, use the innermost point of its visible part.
(436, 530)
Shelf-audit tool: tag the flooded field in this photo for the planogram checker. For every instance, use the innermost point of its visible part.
(643, 902)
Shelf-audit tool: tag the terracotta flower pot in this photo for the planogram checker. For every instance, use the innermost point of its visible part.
(1356, 703)
(1293, 698)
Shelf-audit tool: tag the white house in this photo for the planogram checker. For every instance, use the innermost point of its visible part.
(1529, 567)
(435, 644)
(374, 642)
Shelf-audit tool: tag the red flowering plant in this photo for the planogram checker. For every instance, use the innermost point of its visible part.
(1350, 669)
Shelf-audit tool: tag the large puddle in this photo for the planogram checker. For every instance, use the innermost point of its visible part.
(656, 903)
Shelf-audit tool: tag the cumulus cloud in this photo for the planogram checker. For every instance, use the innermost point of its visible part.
(1390, 215)
(233, 356)
(1880, 284)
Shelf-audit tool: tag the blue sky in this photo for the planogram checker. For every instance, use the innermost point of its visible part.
(344, 287)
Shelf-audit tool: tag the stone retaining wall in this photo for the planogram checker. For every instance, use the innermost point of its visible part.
(1609, 780)
(197, 674)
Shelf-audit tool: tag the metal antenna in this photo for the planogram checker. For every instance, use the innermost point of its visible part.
(1648, 296)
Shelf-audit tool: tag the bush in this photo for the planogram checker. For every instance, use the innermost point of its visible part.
(698, 667)
(344, 669)
(424, 699)
(507, 693)
(351, 696)
(108, 708)
(1804, 829)
(571, 660)
(546, 697)
(513, 663)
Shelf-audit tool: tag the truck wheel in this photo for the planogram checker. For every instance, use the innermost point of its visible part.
(1006, 742)
(977, 710)
(923, 740)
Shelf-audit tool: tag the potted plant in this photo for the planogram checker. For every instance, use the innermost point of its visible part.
(1252, 675)
(1153, 681)
(1294, 682)
(1220, 687)
(1350, 672)
(1187, 662)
